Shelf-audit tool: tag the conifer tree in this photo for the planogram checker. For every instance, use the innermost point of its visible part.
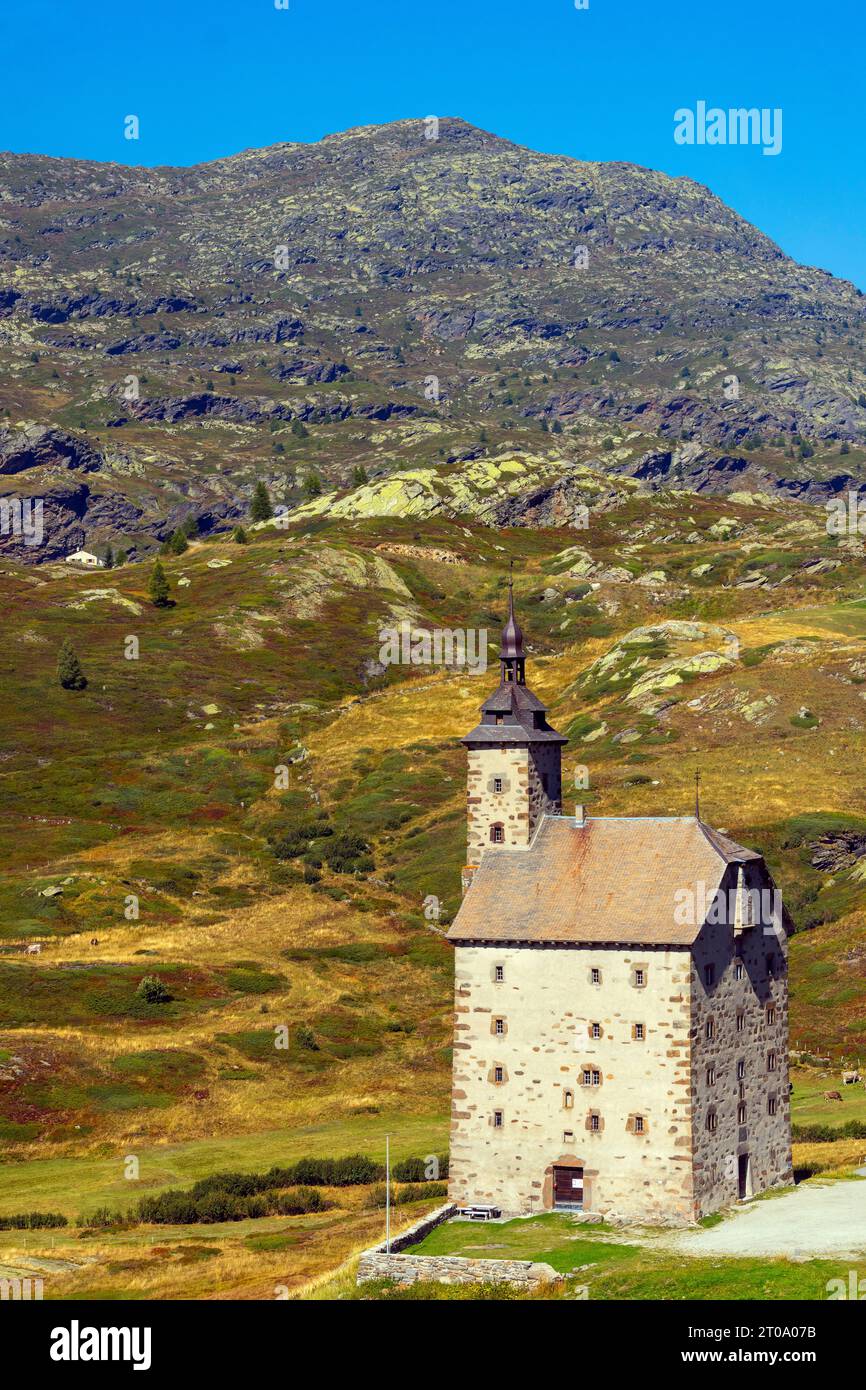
(159, 587)
(69, 672)
(260, 507)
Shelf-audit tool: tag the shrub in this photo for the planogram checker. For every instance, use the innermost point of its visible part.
(152, 990)
(33, 1221)
(299, 1201)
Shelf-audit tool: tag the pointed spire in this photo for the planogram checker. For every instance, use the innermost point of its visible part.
(512, 660)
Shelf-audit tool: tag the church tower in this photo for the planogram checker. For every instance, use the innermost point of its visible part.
(514, 775)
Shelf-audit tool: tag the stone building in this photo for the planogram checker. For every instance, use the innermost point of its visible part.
(621, 997)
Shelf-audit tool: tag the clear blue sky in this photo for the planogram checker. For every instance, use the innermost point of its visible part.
(211, 77)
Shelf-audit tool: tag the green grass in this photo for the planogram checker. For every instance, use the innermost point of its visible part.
(79, 1185)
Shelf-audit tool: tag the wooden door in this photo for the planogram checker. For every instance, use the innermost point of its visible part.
(568, 1187)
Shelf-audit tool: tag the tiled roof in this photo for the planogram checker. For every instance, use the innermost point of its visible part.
(608, 879)
(524, 718)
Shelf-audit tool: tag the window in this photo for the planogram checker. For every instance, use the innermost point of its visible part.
(591, 1076)
(709, 975)
(639, 1032)
(497, 834)
(741, 1021)
(741, 1090)
(710, 1029)
(771, 1061)
(499, 718)
(497, 1119)
(568, 1099)
(741, 1113)
(771, 965)
(497, 784)
(499, 973)
(595, 1122)
(498, 1074)
(639, 977)
(741, 1069)
(596, 1078)
(712, 1121)
(711, 1076)
(638, 1124)
(739, 970)
(587, 1076)
(595, 976)
(595, 1030)
(568, 1136)
(771, 1014)
(499, 1027)
(771, 1105)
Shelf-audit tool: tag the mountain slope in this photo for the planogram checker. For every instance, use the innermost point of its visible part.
(384, 300)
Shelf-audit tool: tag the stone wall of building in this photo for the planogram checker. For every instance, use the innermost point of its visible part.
(487, 807)
(531, 1071)
(545, 783)
(742, 987)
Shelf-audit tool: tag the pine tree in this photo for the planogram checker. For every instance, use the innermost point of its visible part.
(239, 535)
(178, 543)
(299, 430)
(109, 558)
(69, 672)
(260, 507)
(312, 485)
(190, 526)
(359, 475)
(159, 587)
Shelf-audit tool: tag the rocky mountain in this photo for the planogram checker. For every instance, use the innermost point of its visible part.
(383, 300)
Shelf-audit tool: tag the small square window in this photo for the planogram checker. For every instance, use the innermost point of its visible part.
(497, 1119)
(595, 976)
(709, 975)
(596, 1078)
(499, 972)
(639, 1032)
(499, 1027)
(595, 1030)
(498, 1074)
(497, 834)
(712, 1121)
(638, 1124)
(587, 1076)
(639, 977)
(568, 1136)
(497, 784)
(595, 1123)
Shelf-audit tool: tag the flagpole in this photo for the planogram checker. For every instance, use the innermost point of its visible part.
(387, 1194)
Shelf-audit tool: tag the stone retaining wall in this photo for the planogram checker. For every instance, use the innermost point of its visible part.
(376, 1263)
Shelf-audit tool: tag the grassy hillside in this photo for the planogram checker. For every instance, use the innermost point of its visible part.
(281, 805)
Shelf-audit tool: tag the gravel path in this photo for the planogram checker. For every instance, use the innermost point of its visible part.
(814, 1219)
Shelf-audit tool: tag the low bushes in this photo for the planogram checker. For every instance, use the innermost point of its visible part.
(826, 1134)
(32, 1221)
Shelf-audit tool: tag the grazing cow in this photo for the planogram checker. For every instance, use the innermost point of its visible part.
(850, 1078)
(94, 941)
(832, 1095)
(34, 950)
